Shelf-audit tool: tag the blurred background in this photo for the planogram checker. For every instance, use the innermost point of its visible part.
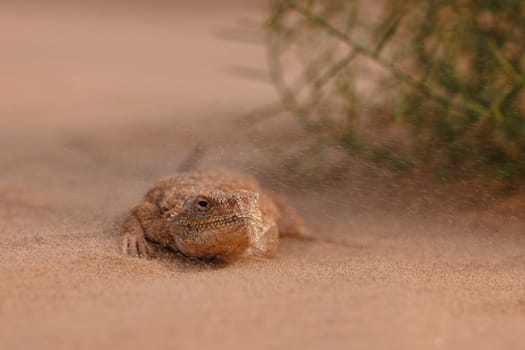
(89, 72)
(397, 126)
(310, 93)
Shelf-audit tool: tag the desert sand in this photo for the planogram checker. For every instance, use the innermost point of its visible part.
(98, 102)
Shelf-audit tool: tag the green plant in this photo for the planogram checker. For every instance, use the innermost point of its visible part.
(406, 83)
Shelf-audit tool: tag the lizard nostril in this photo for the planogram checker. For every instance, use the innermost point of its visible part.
(246, 201)
(232, 201)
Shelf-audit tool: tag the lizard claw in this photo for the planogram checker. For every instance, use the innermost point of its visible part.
(134, 246)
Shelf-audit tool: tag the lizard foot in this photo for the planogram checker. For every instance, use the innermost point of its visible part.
(135, 246)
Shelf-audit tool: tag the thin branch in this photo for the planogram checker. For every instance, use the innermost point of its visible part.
(507, 67)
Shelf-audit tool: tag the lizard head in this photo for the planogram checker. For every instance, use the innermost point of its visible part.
(217, 224)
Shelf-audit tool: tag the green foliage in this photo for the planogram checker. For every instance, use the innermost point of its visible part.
(437, 83)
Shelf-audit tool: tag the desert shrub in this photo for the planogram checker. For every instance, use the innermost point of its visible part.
(435, 84)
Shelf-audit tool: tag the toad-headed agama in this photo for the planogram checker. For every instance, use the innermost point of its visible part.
(215, 214)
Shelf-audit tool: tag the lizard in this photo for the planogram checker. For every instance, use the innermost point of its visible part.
(216, 214)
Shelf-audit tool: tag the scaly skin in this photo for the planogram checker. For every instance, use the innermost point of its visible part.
(216, 214)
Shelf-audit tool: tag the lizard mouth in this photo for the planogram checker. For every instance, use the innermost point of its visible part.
(226, 221)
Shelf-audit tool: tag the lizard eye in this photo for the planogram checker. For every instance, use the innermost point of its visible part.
(202, 203)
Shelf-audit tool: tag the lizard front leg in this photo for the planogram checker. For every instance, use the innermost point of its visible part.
(267, 244)
(142, 221)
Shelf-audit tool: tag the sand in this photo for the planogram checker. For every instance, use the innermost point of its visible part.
(99, 102)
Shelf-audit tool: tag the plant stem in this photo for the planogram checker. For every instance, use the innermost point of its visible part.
(464, 104)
